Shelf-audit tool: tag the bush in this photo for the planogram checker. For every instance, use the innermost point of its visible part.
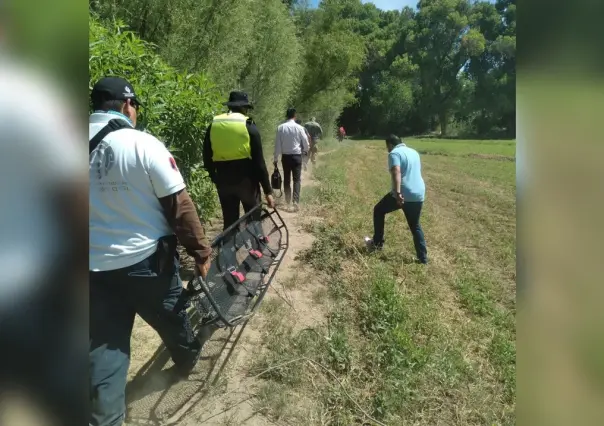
(178, 107)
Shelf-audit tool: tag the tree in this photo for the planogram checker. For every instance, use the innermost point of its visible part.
(493, 73)
(333, 55)
(374, 71)
(443, 41)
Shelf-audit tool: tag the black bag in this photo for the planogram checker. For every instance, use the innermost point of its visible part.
(277, 181)
(165, 255)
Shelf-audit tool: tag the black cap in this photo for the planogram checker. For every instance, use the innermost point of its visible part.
(114, 89)
(238, 99)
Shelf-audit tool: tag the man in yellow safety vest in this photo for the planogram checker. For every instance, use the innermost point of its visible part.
(233, 157)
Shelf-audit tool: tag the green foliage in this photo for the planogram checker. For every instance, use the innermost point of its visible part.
(462, 77)
(333, 57)
(442, 42)
(448, 66)
(203, 193)
(248, 45)
(177, 106)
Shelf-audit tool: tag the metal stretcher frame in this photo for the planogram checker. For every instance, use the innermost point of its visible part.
(267, 279)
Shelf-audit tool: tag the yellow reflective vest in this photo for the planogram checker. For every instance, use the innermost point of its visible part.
(229, 137)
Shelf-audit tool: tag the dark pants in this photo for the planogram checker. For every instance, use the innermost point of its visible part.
(412, 211)
(115, 298)
(232, 195)
(292, 166)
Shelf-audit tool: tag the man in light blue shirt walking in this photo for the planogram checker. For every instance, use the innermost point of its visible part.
(408, 193)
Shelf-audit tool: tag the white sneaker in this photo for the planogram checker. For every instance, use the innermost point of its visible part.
(371, 245)
(296, 208)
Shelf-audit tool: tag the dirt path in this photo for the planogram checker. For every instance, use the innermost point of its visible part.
(220, 391)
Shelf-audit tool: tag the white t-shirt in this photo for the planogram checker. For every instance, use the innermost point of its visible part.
(129, 171)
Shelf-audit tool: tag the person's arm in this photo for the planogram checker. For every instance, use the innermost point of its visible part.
(305, 140)
(394, 165)
(208, 162)
(258, 159)
(178, 208)
(320, 130)
(181, 214)
(277, 151)
(395, 174)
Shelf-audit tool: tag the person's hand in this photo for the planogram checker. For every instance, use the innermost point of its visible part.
(203, 268)
(399, 198)
(270, 201)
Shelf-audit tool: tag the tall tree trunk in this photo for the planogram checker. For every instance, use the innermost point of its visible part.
(443, 121)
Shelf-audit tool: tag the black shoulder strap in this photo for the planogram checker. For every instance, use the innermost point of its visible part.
(113, 125)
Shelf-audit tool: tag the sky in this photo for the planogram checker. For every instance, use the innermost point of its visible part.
(384, 4)
(392, 4)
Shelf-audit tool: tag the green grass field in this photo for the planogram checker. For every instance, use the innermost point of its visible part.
(410, 344)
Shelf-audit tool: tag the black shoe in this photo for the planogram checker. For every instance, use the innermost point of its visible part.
(421, 262)
(183, 371)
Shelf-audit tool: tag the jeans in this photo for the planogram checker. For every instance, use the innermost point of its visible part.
(246, 193)
(115, 298)
(292, 166)
(412, 211)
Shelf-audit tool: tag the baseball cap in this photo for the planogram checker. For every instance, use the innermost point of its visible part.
(114, 89)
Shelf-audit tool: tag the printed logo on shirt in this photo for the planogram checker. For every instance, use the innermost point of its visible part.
(103, 159)
(173, 164)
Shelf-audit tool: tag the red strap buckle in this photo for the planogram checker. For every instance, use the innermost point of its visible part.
(256, 254)
(239, 277)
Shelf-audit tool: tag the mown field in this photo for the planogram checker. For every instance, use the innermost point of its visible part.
(403, 343)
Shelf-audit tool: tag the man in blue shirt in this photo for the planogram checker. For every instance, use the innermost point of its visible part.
(408, 194)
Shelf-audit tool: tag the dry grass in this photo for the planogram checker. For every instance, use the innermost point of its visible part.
(407, 344)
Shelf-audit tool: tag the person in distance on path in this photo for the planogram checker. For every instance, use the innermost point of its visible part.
(291, 143)
(316, 132)
(307, 156)
(407, 194)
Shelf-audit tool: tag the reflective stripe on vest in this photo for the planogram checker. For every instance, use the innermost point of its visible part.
(229, 137)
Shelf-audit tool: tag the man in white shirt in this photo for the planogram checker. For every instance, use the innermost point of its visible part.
(291, 143)
(139, 208)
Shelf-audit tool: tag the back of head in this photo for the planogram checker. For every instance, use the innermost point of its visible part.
(393, 140)
(239, 110)
(113, 94)
(291, 113)
(313, 119)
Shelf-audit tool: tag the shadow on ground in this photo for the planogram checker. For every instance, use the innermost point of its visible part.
(154, 397)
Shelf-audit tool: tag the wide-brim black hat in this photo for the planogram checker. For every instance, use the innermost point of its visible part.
(238, 99)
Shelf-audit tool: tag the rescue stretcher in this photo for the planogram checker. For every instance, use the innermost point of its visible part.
(245, 259)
